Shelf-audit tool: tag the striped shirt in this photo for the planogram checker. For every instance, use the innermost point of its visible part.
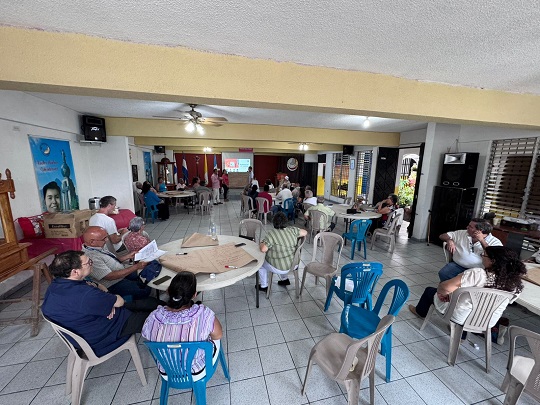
(323, 208)
(190, 325)
(281, 245)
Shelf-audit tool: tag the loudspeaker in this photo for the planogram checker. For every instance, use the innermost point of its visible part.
(159, 149)
(348, 149)
(452, 209)
(459, 169)
(93, 128)
(321, 158)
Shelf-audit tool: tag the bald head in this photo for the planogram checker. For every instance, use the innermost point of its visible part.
(95, 236)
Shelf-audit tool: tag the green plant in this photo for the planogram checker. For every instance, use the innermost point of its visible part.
(406, 192)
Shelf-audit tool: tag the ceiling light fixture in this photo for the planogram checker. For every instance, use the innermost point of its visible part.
(366, 123)
(200, 129)
(303, 146)
(190, 127)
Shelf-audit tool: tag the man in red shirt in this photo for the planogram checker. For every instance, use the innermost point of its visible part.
(267, 196)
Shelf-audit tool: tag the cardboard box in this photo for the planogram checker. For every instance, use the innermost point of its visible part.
(66, 225)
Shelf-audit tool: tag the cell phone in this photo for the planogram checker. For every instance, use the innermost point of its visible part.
(240, 244)
(162, 280)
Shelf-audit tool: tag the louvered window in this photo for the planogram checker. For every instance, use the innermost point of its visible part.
(340, 176)
(363, 172)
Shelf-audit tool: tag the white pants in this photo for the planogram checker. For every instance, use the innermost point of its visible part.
(263, 273)
(215, 195)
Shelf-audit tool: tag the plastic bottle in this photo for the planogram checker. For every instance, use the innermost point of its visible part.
(212, 230)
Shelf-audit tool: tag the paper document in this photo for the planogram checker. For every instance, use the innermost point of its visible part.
(149, 252)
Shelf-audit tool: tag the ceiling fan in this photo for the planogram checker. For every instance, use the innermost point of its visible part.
(304, 146)
(194, 120)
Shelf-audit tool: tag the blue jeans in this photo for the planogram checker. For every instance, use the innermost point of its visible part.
(129, 285)
(275, 209)
(450, 270)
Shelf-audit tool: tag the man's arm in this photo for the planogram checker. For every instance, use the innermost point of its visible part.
(303, 232)
(118, 274)
(450, 244)
(129, 256)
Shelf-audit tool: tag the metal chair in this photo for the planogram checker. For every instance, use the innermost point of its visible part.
(523, 373)
(485, 301)
(389, 233)
(359, 322)
(176, 360)
(316, 218)
(205, 204)
(80, 360)
(336, 354)
(263, 208)
(325, 268)
(249, 228)
(358, 235)
(293, 268)
(356, 283)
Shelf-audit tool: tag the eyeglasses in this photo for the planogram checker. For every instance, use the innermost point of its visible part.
(90, 262)
(484, 255)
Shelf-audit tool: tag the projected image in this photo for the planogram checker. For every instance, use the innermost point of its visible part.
(237, 165)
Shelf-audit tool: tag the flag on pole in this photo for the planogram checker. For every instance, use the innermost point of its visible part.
(215, 162)
(205, 169)
(184, 168)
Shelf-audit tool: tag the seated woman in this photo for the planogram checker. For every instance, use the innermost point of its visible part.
(161, 185)
(386, 207)
(136, 239)
(254, 192)
(151, 198)
(181, 320)
(502, 270)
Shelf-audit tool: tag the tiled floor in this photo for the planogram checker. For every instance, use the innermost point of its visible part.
(267, 348)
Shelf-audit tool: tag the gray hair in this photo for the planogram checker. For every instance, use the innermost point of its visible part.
(136, 224)
(308, 193)
(320, 199)
(482, 225)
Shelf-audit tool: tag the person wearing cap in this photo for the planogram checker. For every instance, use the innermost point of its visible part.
(285, 182)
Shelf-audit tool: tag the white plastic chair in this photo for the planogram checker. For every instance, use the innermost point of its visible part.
(293, 268)
(336, 354)
(248, 207)
(263, 208)
(523, 373)
(250, 228)
(389, 234)
(485, 301)
(204, 202)
(80, 360)
(314, 222)
(447, 254)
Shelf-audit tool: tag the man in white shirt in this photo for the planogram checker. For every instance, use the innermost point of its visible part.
(283, 195)
(309, 198)
(467, 247)
(102, 219)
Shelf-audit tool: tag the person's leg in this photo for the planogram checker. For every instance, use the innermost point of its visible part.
(268, 267)
(130, 287)
(163, 211)
(147, 304)
(450, 270)
(134, 323)
(425, 302)
(225, 192)
(275, 209)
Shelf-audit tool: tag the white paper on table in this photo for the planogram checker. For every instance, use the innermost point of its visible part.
(149, 252)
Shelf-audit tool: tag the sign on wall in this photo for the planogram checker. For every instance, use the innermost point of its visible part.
(55, 174)
(147, 157)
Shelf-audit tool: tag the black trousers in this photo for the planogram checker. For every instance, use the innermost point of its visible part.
(140, 309)
(425, 302)
(225, 191)
(163, 211)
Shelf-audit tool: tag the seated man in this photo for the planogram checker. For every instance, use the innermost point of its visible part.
(328, 224)
(283, 195)
(202, 187)
(107, 205)
(119, 278)
(88, 310)
(309, 199)
(467, 247)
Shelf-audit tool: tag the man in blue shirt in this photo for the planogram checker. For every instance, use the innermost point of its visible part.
(87, 309)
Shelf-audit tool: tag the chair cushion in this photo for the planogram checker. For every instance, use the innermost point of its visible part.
(521, 368)
(32, 227)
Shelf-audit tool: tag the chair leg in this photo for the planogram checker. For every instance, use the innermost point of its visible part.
(303, 281)
(386, 350)
(77, 382)
(164, 394)
(353, 391)
(353, 245)
(199, 392)
(69, 372)
(365, 252)
(428, 317)
(515, 389)
(488, 348)
(372, 387)
(328, 299)
(455, 337)
(137, 360)
(270, 276)
(308, 369)
(224, 364)
(296, 283)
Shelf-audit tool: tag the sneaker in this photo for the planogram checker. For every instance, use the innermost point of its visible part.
(219, 202)
(263, 289)
(284, 282)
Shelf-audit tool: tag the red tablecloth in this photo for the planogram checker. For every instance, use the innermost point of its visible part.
(42, 245)
(122, 218)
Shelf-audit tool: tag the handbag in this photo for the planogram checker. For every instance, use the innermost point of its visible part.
(150, 271)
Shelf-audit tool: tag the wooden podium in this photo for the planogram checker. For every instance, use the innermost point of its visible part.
(14, 257)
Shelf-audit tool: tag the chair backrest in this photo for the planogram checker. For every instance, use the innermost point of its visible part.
(329, 241)
(141, 198)
(316, 218)
(393, 222)
(298, 252)
(307, 206)
(485, 302)
(288, 205)
(364, 276)
(533, 340)
(176, 360)
(373, 341)
(399, 217)
(262, 204)
(149, 206)
(249, 228)
(401, 294)
(63, 333)
(361, 226)
(204, 198)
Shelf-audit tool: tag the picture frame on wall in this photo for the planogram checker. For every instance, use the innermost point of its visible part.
(135, 172)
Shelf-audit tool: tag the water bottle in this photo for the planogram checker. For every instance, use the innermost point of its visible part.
(212, 230)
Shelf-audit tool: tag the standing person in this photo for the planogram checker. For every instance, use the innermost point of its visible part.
(225, 185)
(251, 175)
(151, 198)
(51, 197)
(101, 218)
(279, 244)
(214, 179)
(181, 320)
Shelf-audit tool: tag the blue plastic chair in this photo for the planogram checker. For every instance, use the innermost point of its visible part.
(359, 322)
(364, 276)
(151, 210)
(358, 235)
(288, 209)
(176, 359)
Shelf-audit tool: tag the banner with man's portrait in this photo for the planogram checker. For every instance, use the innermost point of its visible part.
(55, 174)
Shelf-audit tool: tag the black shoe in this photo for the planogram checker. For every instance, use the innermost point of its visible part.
(220, 202)
(284, 282)
(215, 203)
(263, 289)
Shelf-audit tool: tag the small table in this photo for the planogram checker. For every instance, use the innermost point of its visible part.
(341, 212)
(530, 297)
(204, 282)
(177, 194)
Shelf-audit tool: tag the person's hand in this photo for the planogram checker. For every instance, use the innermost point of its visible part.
(451, 246)
(141, 265)
(111, 315)
(478, 235)
(443, 298)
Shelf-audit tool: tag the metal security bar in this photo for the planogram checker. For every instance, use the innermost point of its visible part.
(363, 173)
(340, 176)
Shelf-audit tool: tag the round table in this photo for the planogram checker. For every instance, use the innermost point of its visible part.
(204, 282)
(177, 194)
(341, 212)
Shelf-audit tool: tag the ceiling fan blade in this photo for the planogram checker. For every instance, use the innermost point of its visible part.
(214, 119)
(169, 117)
(212, 124)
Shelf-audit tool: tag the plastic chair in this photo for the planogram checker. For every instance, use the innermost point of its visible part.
(358, 236)
(176, 360)
(248, 207)
(249, 228)
(140, 196)
(314, 223)
(204, 202)
(293, 268)
(447, 254)
(80, 360)
(522, 373)
(485, 302)
(263, 208)
(336, 354)
(356, 283)
(325, 268)
(389, 233)
(288, 209)
(399, 219)
(359, 322)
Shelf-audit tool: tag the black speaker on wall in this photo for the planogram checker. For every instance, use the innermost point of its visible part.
(452, 209)
(321, 158)
(93, 128)
(159, 149)
(348, 149)
(459, 169)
